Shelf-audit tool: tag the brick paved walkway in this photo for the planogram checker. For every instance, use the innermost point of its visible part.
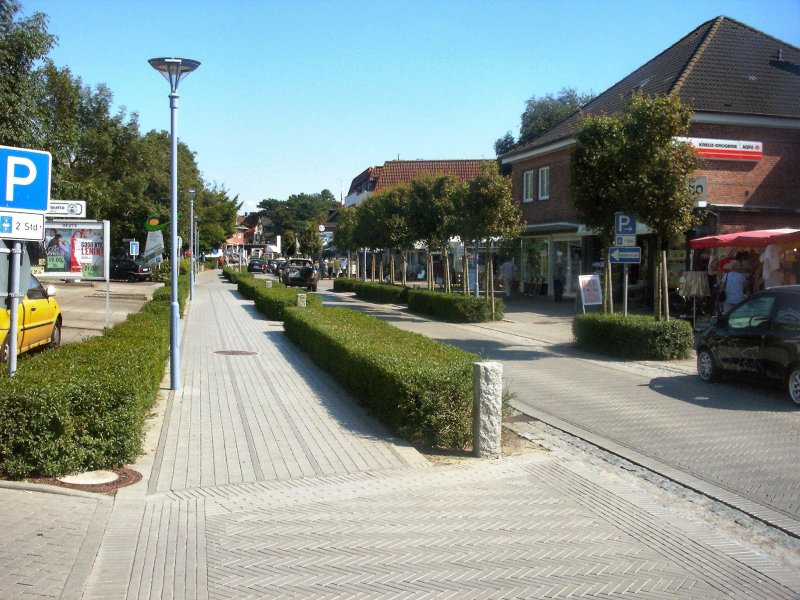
(264, 480)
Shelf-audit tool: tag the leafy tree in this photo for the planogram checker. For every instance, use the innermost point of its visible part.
(310, 239)
(23, 43)
(487, 212)
(541, 115)
(296, 210)
(432, 216)
(632, 162)
(384, 217)
(344, 236)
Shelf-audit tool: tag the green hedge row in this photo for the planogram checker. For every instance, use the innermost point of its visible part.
(372, 292)
(273, 301)
(234, 275)
(419, 388)
(634, 336)
(455, 308)
(83, 407)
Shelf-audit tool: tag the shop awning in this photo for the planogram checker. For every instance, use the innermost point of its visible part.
(747, 239)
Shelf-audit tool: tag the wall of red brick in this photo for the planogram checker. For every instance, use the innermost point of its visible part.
(771, 183)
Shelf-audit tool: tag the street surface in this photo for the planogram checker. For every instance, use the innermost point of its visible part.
(262, 479)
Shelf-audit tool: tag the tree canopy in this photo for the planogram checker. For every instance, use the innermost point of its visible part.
(98, 155)
(298, 209)
(541, 115)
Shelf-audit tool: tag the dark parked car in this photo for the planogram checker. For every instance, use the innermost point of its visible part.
(759, 338)
(129, 269)
(257, 266)
(300, 272)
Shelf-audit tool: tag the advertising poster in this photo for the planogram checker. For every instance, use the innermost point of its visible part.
(74, 250)
(591, 292)
(154, 247)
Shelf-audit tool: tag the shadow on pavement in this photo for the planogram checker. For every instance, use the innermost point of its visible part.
(743, 395)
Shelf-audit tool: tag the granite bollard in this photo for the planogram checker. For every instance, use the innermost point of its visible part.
(487, 409)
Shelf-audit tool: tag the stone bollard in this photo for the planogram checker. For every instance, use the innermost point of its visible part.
(268, 283)
(301, 300)
(487, 409)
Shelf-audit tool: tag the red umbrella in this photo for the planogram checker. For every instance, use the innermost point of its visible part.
(747, 239)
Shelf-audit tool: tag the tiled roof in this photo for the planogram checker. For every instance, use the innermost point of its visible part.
(396, 172)
(723, 66)
(360, 180)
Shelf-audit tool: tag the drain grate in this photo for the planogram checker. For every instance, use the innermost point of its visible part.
(235, 352)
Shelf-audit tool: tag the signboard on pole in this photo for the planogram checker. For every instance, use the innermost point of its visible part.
(625, 254)
(71, 209)
(624, 223)
(25, 177)
(134, 249)
(16, 225)
(77, 249)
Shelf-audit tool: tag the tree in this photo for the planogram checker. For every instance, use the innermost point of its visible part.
(310, 239)
(344, 236)
(296, 210)
(23, 43)
(487, 211)
(541, 115)
(632, 162)
(385, 219)
(432, 216)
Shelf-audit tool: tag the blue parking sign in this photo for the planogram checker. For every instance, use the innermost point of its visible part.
(25, 179)
(624, 223)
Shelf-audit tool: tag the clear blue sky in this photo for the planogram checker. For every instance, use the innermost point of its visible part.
(299, 96)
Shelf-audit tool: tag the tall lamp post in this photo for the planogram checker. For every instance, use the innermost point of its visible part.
(173, 69)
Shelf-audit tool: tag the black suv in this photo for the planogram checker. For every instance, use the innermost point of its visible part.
(759, 338)
(129, 269)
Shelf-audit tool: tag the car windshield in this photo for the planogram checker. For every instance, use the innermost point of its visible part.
(752, 313)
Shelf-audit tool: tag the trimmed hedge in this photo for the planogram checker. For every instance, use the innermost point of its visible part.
(373, 292)
(83, 406)
(634, 336)
(455, 308)
(234, 275)
(273, 301)
(419, 388)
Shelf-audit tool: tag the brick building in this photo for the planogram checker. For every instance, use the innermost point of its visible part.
(744, 89)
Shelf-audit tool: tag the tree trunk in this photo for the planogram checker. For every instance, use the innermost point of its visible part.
(372, 269)
(446, 270)
(490, 269)
(429, 270)
(666, 284)
(465, 271)
(405, 267)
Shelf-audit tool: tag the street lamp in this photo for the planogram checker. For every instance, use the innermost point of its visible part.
(173, 69)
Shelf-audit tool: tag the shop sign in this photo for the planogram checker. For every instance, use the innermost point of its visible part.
(724, 149)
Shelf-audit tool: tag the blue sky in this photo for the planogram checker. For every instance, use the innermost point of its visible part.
(299, 96)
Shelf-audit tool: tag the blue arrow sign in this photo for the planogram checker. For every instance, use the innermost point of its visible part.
(25, 179)
(625, 254)
(134, 249)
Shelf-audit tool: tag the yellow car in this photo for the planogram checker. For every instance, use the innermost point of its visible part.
(38, 320)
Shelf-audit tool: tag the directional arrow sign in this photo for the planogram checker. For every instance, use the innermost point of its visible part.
(625, 254)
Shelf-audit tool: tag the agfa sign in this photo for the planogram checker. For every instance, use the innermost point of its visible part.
(25, 179)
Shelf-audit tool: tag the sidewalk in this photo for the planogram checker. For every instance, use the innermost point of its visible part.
(263, 479)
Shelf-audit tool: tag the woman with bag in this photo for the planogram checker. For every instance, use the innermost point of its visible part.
(732, 289)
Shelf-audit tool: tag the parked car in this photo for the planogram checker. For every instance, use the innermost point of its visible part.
(276, 265)
(300, 272)
(257, 266)
(129, 269)
(759, 338)
(38, 320)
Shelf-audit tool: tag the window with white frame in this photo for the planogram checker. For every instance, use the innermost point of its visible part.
(527, 186)
(544, 183)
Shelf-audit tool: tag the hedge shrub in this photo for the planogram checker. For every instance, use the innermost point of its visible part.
(273, 301)
(234, 275)
(83, 407)
(455, 308)
(372, 292)
(634, 336)
(419, 388)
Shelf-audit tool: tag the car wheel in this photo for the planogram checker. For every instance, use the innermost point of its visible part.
(707, 368)
(55, 336)
(131, 278)
(794, 384)
(314, 288)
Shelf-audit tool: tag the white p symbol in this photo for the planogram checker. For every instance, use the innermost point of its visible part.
(12, 180)
(624, 222)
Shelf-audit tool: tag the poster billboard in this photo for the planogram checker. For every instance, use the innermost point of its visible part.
(73, 249)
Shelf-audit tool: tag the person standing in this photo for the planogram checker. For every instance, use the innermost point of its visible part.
(507, 270)
(733, 284)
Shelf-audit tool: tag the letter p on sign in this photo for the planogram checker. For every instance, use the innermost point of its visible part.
(26, 179)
